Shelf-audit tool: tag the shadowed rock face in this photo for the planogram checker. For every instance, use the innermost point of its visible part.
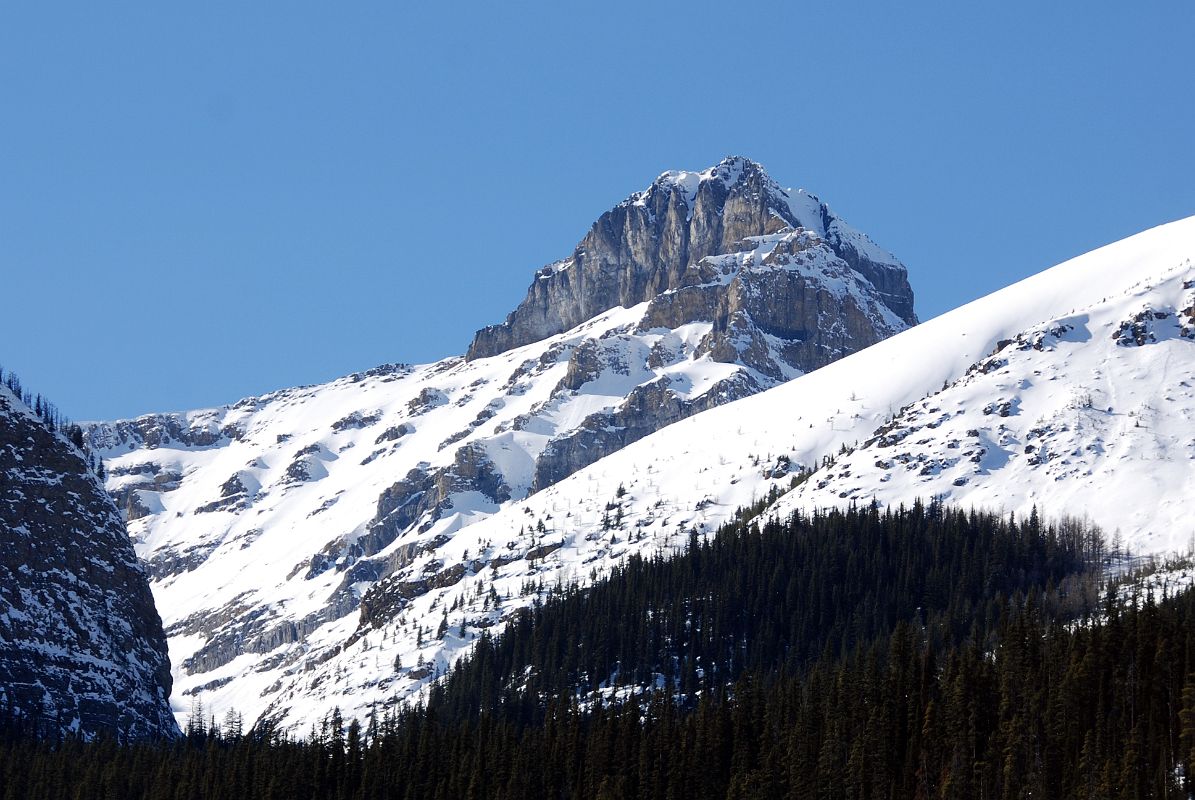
(81, 643)
(643, 247)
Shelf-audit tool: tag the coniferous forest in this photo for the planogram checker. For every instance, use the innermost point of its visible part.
(914, 653)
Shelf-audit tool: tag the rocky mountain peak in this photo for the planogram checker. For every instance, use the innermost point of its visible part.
(643, 247)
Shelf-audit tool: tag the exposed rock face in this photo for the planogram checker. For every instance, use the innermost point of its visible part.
(647, 409)
(81, 644)
(781, 300)
(157, 430)
(644, 246)
(420, 496)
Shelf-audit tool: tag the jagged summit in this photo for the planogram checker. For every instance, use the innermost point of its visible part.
(728, 172)
(737, 171)
(646, 244)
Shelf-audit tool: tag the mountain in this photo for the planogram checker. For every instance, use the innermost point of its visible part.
(1107, 320)
(299, 542)
(82, 648)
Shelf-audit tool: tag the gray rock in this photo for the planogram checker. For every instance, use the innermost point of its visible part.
(419, 498)
(158, 430)
(355, 420)
(426, 400)
(128, 497)
(647, 409)
(233, 496)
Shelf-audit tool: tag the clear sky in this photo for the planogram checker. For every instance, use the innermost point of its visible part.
(204, 201)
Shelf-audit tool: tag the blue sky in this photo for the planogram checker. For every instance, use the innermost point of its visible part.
(202, 202)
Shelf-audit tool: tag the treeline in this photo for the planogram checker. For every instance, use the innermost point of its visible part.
(760, 600)
(51, 417)
(919, 653)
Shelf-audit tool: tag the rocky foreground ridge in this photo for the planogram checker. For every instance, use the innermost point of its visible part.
(82, 648)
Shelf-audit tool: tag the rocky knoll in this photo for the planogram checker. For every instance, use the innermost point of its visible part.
(81, 644)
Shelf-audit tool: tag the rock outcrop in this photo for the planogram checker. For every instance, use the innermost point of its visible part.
(81, 644)
(647, 409)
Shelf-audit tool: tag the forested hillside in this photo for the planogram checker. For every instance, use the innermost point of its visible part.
(926, 652)
(761, 600)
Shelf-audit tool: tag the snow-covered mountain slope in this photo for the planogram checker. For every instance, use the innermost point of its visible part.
(81, 647)
(269, 525)
(1090, 412)
(1086, 315)
(1076, 355)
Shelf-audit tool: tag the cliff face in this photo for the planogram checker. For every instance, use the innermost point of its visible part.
(82, 648)
(645, 245)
